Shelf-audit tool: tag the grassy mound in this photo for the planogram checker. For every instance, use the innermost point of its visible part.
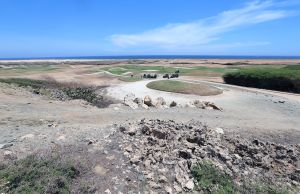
(184, 87)
(71, 90)
(26, 68)
(281, 79)
(37, 175)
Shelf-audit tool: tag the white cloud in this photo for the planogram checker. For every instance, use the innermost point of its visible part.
(204, 31)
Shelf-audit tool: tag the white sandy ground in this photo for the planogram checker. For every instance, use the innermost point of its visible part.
(139, 89)
(119, 91)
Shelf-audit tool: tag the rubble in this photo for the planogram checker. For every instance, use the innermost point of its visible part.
(203, 105)
(5, 145)
(190, 105)
(129, 101)
(211, 105)
(160, 102)
(158, 147)
(219, 130)
(173, 104)
(198, 104)
(138, 101)
(148, 101)
(134, 103)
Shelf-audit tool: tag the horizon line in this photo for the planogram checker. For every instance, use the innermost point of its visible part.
(152, 56)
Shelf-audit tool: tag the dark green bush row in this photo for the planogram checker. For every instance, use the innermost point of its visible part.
(292, 67)
(283, 79)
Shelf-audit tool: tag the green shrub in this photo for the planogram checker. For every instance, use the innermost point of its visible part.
(37, 175)
(87, 94)
(209, 179)
(292, 67)
(283, 79)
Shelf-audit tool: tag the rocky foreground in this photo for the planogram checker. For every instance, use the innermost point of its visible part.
(165, 152)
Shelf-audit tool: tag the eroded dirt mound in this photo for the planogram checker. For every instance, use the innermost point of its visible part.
(165, 152)
(94, 95)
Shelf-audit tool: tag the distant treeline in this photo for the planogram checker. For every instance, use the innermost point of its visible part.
(282, 79)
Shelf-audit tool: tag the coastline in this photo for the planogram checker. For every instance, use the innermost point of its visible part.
(149, 57)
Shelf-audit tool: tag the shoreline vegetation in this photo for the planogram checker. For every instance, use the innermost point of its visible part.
(286, 79)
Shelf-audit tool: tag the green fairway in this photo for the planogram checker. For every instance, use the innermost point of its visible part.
(130, 79)
(27, 69)
(184, 87)
(137, 69)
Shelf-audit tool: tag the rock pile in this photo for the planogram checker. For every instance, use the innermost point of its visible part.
(202, 105)
(129, 100)
(165, 151)
(134, 103)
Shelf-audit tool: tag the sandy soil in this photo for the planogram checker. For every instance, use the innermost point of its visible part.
(32, 122)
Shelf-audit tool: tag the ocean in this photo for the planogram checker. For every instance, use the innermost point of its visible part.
(157, 57)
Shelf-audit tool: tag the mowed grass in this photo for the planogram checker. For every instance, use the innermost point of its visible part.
(292, 67)
(138, 69)
(184, 87)
(282, 79)
(130, 79)
(28, 69)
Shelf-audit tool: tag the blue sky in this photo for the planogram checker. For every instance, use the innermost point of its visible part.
(49, 28)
